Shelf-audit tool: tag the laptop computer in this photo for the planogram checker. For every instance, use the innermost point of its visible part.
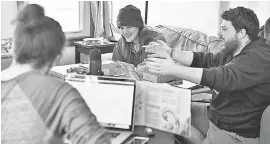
(111, 99)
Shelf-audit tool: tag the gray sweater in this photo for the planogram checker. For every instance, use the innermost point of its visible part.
(39, 109)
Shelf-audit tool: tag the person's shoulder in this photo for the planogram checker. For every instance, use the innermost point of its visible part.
(263, 49)
(43, 88)
(44, 78)
(259, 49)
(259, 45)
(44, 82)
(149, 34)
(149, 29)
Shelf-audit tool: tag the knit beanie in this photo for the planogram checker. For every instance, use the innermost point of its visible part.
(130, 16)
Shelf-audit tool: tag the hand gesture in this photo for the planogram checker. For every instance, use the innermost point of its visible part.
(158, 49)
(161, 66)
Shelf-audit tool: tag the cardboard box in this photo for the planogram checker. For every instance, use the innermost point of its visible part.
(158, 78)
(121, 69)
(112, 69)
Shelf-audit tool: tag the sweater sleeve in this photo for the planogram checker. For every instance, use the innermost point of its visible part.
(205, 60)
(117, 54)
(245, 71)
(148, 35)
(79, 122)
(156, 36)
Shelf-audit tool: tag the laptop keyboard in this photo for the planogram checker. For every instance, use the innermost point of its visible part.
(114, 134)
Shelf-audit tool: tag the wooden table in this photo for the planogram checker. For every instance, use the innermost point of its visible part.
(6, 60)
(80, 47)
(160, 137)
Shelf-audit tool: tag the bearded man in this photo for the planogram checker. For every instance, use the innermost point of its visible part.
(240, 75)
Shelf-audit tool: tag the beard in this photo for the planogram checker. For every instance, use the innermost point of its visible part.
(230, 46)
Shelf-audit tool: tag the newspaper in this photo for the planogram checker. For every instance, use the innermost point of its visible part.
(163, 107)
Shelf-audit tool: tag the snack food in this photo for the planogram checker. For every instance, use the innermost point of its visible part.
(92, 41)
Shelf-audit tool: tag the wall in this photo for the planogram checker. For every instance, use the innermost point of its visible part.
(198, 15)
(68, 56)
(203, 16)
(261, 8)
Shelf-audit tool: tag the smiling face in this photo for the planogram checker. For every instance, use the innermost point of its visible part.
(130, 33)
(228, 33)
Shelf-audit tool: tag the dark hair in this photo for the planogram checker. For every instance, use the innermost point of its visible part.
(38, 38)
(243, 18)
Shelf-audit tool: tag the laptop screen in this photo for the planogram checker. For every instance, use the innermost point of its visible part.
(110, 99)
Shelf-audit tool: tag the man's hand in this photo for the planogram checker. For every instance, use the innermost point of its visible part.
(168, 67)
(162, 66)
(158, 49)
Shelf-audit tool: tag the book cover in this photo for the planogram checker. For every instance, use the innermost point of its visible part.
(163, 107)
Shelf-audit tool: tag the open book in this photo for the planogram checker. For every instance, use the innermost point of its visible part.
(163, 107)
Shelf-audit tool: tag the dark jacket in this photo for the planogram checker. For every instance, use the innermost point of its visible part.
(122, 50)
(243, 84)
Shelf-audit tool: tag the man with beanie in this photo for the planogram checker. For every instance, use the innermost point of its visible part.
(134, 35)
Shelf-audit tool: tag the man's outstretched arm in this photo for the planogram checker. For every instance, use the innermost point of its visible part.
(186, 58)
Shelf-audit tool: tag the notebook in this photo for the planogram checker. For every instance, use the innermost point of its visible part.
(111, 100)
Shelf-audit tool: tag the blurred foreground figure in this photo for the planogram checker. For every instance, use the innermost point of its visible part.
(37, 108)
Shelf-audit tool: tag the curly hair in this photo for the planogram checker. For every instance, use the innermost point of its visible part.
(243, 18)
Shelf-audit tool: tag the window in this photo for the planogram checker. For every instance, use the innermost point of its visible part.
(74, 16)
(117, 5)
(8, 13)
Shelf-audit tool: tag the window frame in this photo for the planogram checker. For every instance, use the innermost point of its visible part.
(84, 20)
